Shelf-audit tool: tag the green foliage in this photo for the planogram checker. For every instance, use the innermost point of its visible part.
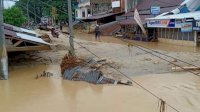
(14, 16)
(44, 8)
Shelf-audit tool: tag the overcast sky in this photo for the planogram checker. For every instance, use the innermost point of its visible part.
(8, 4)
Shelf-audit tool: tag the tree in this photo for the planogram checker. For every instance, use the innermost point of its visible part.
(14, 16)
(45, 7)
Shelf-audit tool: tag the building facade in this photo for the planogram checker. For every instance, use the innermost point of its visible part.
(130, 28)
(87, 8)
(181, 26)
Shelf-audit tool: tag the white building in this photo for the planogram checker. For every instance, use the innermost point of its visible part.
(88, 8)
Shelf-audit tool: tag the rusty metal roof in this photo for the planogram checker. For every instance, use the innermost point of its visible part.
(131, 21)
(145, 7)
(146, 4)
(99, 16)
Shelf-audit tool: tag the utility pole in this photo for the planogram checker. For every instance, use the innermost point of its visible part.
(71, 34)
(35, 13)
(134, 2)
(126, 5)
(3, 52)
(28, 13)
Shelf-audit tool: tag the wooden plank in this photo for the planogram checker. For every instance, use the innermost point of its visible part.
(17, 43)
(28, 48)
(185, 68)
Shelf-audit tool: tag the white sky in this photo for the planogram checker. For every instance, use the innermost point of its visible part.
(8, 4)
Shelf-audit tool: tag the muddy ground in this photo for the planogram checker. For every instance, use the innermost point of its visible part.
(130, 60)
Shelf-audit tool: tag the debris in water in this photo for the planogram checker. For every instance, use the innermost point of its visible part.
(162, 106)
(70, 62)
(44, 74)
(1, 77)
(77, 69)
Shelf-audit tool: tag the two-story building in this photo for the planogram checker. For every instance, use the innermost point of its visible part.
(87, 8)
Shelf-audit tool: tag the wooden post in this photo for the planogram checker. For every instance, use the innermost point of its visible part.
(195, 38)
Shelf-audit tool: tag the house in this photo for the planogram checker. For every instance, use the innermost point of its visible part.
(105, 18)
(87, 8)
(124, 5)
(181, 26)
(131, 29)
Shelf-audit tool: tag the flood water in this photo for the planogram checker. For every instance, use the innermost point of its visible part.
(24, 93)
(152, 45)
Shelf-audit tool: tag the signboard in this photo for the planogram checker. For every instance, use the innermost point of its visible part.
(178, 23)
(115, 4)
(172, 23)
(139, 22)
(186, 27)
(155, 10)
(196, 26)
(158, 23)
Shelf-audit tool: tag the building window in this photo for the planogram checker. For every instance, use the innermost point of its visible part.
(83, 13)
(89, 12)
(76, 13)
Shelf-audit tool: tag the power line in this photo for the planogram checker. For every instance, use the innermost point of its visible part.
(143, 49)
(25, 8)
(123, 74)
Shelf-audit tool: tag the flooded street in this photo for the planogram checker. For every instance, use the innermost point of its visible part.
(24, 93)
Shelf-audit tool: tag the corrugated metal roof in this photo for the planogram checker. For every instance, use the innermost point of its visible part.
(99, 16)
(131, 21)
(25, 37)
(195, 15)
(28, 31)
(31, 38)
(18, 29)
(146, 4)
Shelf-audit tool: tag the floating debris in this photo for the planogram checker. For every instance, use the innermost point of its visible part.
(1, 77)
(162, 106)
(76, 69)
(44, 74)
(70, 62)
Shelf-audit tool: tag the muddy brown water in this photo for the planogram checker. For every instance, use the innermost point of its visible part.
(23, 93)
